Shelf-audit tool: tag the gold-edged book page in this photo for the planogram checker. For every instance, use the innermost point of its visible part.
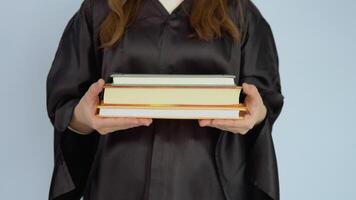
(172, 95)
(241, 116)
(240, 107)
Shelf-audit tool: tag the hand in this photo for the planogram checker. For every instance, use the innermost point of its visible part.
(256, 113)
(85, 120)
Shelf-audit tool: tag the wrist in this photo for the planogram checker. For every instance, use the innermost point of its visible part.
(78, 125)
(79, 128)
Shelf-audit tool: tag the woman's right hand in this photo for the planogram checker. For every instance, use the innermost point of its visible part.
(85, 121)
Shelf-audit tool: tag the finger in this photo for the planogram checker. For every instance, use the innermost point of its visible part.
(120, 122)
(230, 123)
(233, 130)
(204, 122)
(145, 121)
(109, 124)
(117, 128)
(94, 90)
(250, 89)
(251, 105)
(130, 121)
(246, 122)
(253, 98)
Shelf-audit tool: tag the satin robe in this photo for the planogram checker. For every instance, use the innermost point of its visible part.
(170, 159)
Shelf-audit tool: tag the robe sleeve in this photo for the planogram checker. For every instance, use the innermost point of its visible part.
(260, 67)
(74, 68)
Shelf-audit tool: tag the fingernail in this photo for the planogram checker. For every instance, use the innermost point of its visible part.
(101, 81)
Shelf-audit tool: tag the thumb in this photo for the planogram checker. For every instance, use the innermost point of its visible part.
(252, 94)
(247, 88)
(94, 90)
(250, 90)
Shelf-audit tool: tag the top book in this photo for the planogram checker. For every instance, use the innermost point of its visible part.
(174, 79)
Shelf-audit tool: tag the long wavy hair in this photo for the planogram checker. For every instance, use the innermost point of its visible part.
(208, 18)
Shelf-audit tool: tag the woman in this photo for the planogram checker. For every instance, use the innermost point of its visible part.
(163, 159)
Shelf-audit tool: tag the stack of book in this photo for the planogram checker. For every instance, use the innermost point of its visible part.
(172, 96)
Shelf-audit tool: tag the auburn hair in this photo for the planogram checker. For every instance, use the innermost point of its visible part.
(208, 19)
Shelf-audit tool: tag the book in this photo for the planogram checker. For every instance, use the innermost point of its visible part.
(144, 94)
(172, 79)
(172, 111)
(172, 96)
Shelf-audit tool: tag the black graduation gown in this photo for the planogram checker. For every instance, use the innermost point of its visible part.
(170, 159)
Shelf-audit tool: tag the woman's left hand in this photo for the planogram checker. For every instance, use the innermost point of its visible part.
(256, 113)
